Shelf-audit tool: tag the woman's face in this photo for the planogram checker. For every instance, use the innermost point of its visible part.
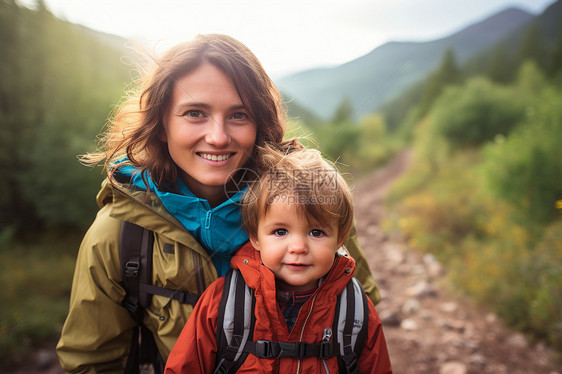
(209, 132)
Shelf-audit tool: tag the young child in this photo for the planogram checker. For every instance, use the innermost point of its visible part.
(297, 216)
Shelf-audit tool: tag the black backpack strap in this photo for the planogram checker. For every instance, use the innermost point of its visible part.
(144, 353)
(351, 325)
(236, 320)
(135, 255)
(182, 296)
(235, 324)
(300, 350)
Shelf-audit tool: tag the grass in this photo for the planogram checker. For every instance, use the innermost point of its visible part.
(36, 276)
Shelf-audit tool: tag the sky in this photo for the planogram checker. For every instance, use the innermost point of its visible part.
(289, 35)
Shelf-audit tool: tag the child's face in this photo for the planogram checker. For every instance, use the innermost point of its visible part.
(298, 252)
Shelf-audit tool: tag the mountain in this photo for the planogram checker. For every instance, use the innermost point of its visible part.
(385, 72)
(548, 25)
(298, 112)
(538, 39)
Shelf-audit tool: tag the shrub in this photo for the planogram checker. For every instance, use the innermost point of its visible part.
(476, 113)
(546, 306)
(526, 168)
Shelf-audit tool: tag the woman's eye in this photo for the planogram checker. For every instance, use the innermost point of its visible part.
(280, 232)
(195, 114)
(317, 233)
(239, 116)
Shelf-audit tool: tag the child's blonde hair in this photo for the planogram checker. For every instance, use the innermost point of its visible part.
(302, 177)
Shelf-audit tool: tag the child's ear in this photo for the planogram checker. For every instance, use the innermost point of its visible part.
(255, 243)
(341, 241)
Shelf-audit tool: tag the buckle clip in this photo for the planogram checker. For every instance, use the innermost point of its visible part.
(264, 349)
(326, 350)
(287, 349)
(131, 305)
(132, 269)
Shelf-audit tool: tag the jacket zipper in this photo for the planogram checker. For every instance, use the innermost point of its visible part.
(304, 325)
(207, 229)
(326, 338)
(309, 313)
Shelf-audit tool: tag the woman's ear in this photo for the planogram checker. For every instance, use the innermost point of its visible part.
(255, 243)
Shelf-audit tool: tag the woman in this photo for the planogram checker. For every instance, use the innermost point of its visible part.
(172, 155)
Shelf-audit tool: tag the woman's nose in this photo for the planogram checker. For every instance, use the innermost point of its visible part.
(217, 134)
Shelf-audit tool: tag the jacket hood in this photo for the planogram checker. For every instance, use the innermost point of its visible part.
(247, 259)
(128, 204)
(219, 230)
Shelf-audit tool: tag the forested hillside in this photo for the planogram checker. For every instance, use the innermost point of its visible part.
(485, 192)
(58, 83)
(372, 80)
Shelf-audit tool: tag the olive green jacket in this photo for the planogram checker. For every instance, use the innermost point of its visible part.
(97, 333)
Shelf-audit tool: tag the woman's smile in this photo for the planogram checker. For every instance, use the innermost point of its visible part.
(215, 157)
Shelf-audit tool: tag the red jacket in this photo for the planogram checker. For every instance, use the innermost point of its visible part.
(196, 348)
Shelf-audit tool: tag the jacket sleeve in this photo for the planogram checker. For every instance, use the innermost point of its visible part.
(374, 358)
(97, 333)
(362, 271)
(196, 348)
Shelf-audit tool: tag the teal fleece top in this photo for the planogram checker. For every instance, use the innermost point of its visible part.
(219, 230)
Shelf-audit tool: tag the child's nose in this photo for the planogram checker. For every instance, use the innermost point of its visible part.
(298, 245)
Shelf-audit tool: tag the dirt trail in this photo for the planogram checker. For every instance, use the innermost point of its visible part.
(427, 330)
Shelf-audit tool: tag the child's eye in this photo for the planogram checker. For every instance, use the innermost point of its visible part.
(317, 233)
(280, 232)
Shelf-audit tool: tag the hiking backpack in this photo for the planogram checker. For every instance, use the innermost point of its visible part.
(236, 320)
(236, 316)
(135, 256)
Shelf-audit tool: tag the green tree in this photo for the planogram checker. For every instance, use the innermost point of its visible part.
(373, 146)
(22, 63)
(447, 74)
(344, 112)
(555, 61)
(339, 142)
(526, 169)
(57, 84)
(530, 79)
(533, 47)
(500, 68)
(339, 138)
(475, 113)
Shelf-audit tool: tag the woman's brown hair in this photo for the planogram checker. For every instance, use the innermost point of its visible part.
(136, 127)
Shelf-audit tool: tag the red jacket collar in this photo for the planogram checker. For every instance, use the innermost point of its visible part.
(247, 259)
